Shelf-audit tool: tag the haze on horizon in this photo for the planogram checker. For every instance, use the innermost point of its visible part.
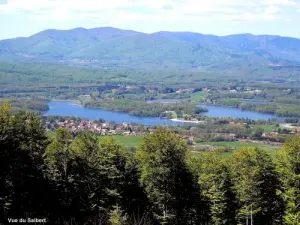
(218, 17)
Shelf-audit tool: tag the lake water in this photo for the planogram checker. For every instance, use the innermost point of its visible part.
(221, 111)
(73, 109)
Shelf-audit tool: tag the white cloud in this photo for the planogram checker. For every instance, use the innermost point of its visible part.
(249, 17)
(28, 6)
(131, 10)
(278, 2)
(272, 10)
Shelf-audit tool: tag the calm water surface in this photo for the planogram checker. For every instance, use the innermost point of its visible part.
(221, 111)
(73, 109)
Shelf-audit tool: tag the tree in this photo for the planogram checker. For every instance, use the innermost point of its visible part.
(59, 153)
(257, 133)
(256, 184)
(61, 170)
(166, 178)
(80, 177)
(217, 187)
(288, 161)
(116, 217)
(23, 189)
(93, 178)
(134, 201)
(119, 169)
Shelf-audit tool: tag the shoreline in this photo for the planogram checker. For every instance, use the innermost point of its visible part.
(186, 121)
(59, 100)
(78, 103)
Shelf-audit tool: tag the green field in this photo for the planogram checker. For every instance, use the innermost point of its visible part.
(135, 141)
(269, 128)
(198, 96)
(271, 149)
(127, 141)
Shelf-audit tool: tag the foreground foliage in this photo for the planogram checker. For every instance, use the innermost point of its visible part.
(86, 180)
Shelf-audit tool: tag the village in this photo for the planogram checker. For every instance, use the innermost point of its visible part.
(191, 135)
(99, 127)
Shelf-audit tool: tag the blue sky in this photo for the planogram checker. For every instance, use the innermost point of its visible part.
(220, 17)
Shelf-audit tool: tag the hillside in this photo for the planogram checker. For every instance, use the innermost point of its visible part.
(111, 47)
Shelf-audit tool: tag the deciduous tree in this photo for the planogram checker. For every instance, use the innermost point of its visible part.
(256, 184)
(288, 161)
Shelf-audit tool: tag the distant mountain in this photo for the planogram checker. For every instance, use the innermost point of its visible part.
(110, 47)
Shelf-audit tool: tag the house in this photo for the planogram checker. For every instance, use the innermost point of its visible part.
(232, 136)
(112, 132)
(103, 132)
(126, 133)
(179, 91)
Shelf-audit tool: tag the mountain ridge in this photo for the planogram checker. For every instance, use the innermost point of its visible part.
(109, 46)
(164, 31)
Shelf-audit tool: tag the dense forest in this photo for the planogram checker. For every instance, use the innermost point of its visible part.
(110, 47)
(83, 179)
(139, 108)
(30, 86)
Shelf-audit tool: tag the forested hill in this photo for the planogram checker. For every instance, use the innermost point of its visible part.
(124, 48)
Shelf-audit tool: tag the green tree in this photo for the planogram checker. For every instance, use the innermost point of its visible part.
(257, 133)
(167, 180)
(92, 177)
(216, 185)
(23, 189)
(256, 184)
(113, 167)
(61, 170)
(119, 172)
(288, 161)
(59, 154)
(116, 217)
(78, 171)
(134, 200)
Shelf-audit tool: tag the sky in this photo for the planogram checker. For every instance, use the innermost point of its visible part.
(218, 17)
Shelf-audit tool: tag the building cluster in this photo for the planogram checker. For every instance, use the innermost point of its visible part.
(97, 127)
(184, 90)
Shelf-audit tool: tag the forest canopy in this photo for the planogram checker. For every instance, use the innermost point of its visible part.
(89, 180)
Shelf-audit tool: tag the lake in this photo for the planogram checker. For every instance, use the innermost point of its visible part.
(221, 111)
(73, 109)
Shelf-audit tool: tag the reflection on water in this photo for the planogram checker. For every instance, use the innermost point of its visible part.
(221, 111)
(73, 109)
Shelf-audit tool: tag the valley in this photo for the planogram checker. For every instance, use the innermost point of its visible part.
(165, 78)
(120, 127)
